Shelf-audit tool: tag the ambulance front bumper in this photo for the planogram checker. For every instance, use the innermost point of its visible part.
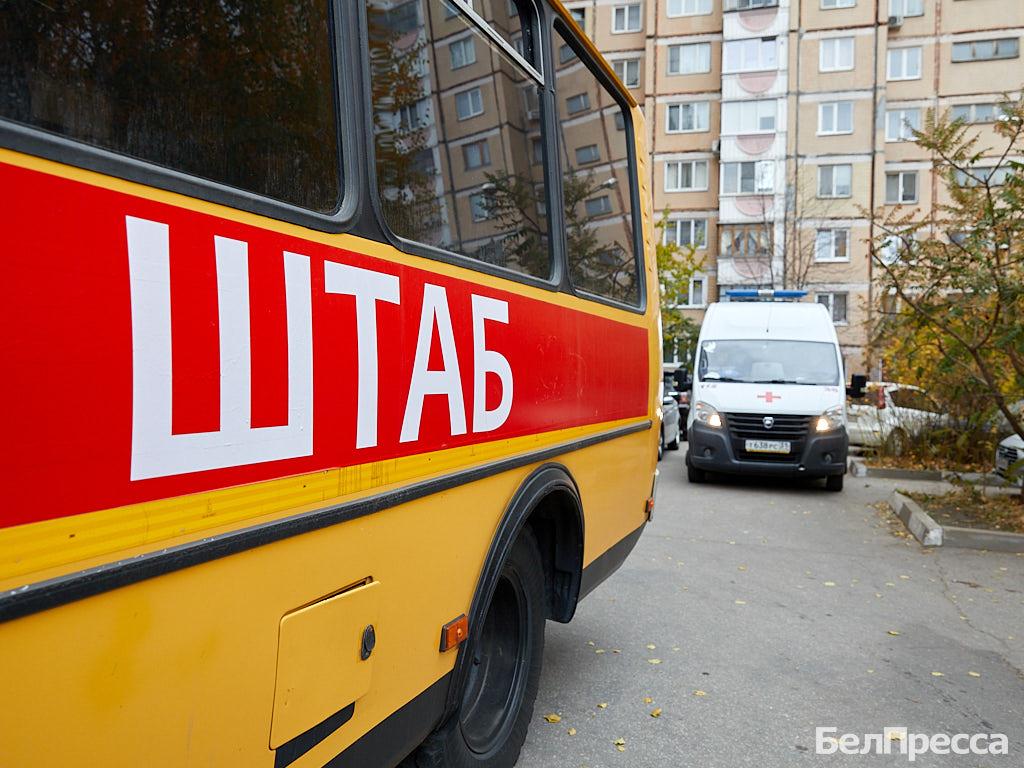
(814, 455)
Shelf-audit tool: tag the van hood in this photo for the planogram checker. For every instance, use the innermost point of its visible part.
(796, 399)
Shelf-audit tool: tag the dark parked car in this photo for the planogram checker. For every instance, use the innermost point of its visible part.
(677, 386)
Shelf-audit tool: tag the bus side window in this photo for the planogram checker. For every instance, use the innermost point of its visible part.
(456, 122)
(234, 93)
(595, 169)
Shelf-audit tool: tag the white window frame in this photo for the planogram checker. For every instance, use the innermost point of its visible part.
(905, 59)
(747, 117)
(906, 8)
(697, 233)
(592, 151)
(831, 54)
(602, 206)
(830, 303)
(624, 17)
(466, 53)
(899, 122)
(473, 99)
(1010, 43)
(760, 172)
(752, 54)
(697, 168)
(699, 114)
(829, 5)
(831, 112)
(901, 187)
(678, 8)
(622, 69)
(701, 58)
(827, 244)
(695, 281)
(834, 190)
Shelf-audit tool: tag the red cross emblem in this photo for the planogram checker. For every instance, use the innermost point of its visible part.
(769, 397)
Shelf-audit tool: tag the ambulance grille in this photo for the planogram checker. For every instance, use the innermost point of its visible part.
(750, 426)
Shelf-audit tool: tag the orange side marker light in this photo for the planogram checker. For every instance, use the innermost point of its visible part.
(454, 632)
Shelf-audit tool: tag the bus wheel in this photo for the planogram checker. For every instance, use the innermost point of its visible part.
(489, 727)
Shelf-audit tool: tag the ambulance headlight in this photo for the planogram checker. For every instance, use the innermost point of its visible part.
(705, 414)
(830, 419)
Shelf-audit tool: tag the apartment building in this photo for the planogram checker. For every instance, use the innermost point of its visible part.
(776, 126)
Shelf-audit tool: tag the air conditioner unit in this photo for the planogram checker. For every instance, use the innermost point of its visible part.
(895, 21)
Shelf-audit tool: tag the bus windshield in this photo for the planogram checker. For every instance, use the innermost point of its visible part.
(754, 361)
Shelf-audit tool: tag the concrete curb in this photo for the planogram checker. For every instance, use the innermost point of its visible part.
(858, 468)
(931, 534)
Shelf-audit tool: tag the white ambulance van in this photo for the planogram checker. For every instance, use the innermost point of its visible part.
(769, 395)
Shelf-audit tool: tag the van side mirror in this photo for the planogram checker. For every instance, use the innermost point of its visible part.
(858, 383)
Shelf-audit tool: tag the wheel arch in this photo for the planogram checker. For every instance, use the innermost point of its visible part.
(548, 501)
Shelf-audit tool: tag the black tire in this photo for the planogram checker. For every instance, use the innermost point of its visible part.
(693, 474)
(834, 482)
(897, 442)
(489, 727)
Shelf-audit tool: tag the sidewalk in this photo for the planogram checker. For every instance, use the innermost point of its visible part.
(924, 528)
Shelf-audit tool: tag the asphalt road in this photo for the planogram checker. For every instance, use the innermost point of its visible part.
(752, 613)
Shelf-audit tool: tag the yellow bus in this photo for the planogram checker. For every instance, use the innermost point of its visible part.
(331, 372)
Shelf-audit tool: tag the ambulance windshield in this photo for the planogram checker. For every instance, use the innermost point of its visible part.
(762, 361)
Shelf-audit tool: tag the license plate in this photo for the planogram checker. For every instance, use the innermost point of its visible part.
(768, 446)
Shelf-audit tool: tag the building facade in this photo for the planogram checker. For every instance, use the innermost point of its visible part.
(778, 126)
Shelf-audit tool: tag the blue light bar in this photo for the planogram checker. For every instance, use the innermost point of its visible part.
(765, 293)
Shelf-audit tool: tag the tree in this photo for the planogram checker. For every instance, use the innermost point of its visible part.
(952, 282)
(677, 264)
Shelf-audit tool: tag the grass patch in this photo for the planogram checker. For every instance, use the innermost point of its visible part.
(994, 509)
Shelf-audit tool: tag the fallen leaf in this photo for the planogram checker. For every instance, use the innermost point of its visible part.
(740, 602)
(656, 712)
(937, 674)
(619, 742)
(552, 718)
(572, 731)
(603, 705)
(648, 699)
(654, 661)
(590, 642)
(891, 632)
(599, 650)
(651, 647)
(700, 693)
(974, 674)
(830, 583)
(741, 568)
(616, 650)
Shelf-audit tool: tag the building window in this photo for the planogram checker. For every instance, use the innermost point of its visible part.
(832, 245)
(753, 55)
(476, 155)
(598, 206)
(830, 4)
(900, 124)
(744, 239)
(689, 59)
(906, 7)
(688, 117)
(739, 117)
(628, 71)
(686, 232)
(696, 292)
(976, 177)
(626, 18)
(836, 304)
(742, 5)
(975, 113)
(578, 103)
(748, 178)
(469, 104)
(981, 50)
(904, 64)
(579, 15)
(412, 117)
(835, 54)
(835, 117)
(480, 207)
(588, 154)
(835, 180)
(686, 175)
(688, 8)
(462, 53)
(901, 187)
